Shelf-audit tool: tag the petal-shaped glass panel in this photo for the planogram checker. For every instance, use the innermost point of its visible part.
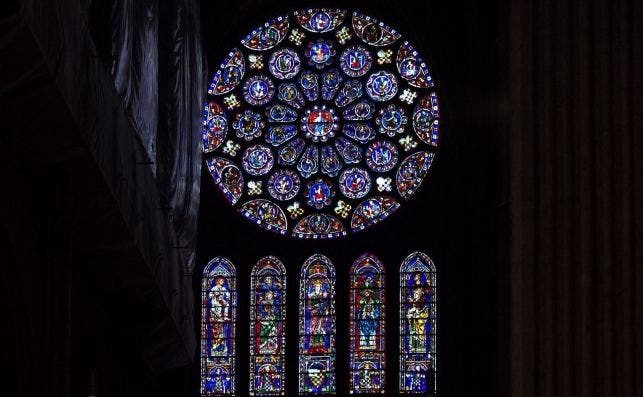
(267, 36)
(373, 32)
(229, 74)
(320, 20)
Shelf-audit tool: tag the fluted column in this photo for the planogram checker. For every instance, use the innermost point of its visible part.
(573, 153)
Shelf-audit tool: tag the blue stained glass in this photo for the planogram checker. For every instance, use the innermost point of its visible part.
(349, 151)
(367, 333)
(372, 31)
(289, 153)
(229, 74)
(320, 20)
(281, 114)
(360, 132)
(320, 53)
(278, 134)
(355, 61)
(218, 317)
(362, 110)
(351, 90)
(289, 93)
(381, 86)
(314, 91)
(284, 63)
(309, 163)
(317, 326)
(331, 164)
(267, 328)
(320, 193)
(309, 82)
(258, 90)
(267, 36)
(330, 83)
(418, 324)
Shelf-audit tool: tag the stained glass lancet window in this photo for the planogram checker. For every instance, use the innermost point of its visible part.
(267, 327)
(320, 123)
(317, 326)
(417, 324)
(367, 363)
(218, 316)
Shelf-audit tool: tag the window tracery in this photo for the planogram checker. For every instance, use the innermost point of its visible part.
(321, 123)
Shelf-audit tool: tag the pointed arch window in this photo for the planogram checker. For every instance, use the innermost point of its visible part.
(218, 317)
(418, 296)
(317, 326)
(367, 334)
(267, 327)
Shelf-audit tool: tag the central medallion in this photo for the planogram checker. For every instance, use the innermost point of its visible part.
(319, 123)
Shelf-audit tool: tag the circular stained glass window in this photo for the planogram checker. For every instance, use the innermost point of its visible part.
(320, 123)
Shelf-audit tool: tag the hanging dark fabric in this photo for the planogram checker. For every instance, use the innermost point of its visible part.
(157, 67)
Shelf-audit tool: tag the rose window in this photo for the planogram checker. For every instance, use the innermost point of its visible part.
(322, 122)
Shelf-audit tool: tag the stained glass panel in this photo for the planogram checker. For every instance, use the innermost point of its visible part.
(320, 123)
(367, 334)
(418, 294)
(267, 327)
(317, 326)
(218, 317)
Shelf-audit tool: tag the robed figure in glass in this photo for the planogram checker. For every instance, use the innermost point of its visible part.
(417, 324)
(267, 327)
(218, 316)
(317, 326)
(367, 303)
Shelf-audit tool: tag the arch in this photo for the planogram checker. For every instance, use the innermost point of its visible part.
(218, 318)
(317, 326)
(267, 327)
(367, 333)
(418, 294)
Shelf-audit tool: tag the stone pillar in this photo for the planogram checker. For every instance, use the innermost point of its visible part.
(572, 152)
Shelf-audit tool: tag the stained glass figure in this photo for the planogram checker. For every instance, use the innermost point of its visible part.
(267, 328)
(317, 326)
(321, 94)
(373, 32)
(418, 294)
(320, 20)
(215, 127)
(267, 36)
(367, 312)
(218, 317)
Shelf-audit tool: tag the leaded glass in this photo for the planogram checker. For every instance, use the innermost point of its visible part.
(317, 326)
(267, 327)
(367, 334)
(418, 295)
(218, 317)
(320, 123)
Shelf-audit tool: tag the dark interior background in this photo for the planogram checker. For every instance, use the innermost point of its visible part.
(451, 217)
(530, 210)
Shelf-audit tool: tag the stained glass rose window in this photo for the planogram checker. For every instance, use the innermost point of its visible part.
(320, 123)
